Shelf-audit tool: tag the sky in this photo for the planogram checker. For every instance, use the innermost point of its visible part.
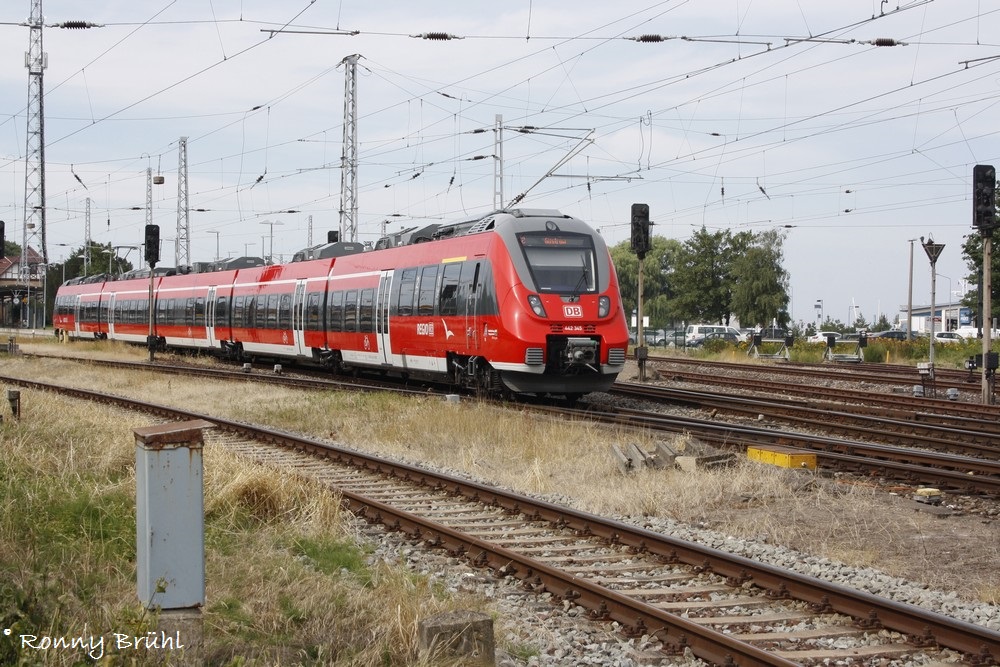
(852, 126)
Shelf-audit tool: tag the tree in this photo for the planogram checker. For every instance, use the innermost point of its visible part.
(657, 269)
(759, 282)
(701, 291)
(103, 259)
(972, 250)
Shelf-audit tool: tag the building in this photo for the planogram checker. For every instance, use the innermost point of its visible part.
(21, 294)
(947, 317)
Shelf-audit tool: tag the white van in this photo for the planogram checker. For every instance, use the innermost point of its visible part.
(697, 331)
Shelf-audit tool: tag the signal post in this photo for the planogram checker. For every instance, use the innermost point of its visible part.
(152, 257)
(640, 246)
(984, 219)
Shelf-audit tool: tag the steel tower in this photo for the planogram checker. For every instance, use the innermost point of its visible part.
(34, 169)
(182, 249)
(349, 156)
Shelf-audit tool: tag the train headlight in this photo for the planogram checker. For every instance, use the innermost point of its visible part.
(536, 305)
(603, 306)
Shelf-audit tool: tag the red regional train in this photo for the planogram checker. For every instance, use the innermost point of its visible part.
(521, 301)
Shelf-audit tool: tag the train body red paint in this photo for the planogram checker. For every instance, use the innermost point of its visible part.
(521, 301)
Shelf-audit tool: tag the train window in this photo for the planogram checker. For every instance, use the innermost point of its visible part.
(335, 312)
(448, 298)
(486, 295)
(285, 311)
(260, 317)
(221, 308)
(238, 310)
(428, 290)
(199, 311)
(351, 311)
(161, 311)
(272, 311)
(366, 311)
(560, 262)
(407, 283)
(466, 283)
(189, 311)
(248, 312)
(312, 311)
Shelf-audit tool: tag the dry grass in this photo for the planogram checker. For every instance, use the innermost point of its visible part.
(286, 582)
(856, 524)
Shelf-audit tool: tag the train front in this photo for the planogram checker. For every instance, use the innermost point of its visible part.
(562, 310)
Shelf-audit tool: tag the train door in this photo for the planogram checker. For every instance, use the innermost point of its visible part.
(111, 315)
(299, 318)
(76, 314)
(210, 317)
(382, 315)
(472, 289)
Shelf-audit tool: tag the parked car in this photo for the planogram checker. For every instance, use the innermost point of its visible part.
(968, 331)
(726, 336)
(671, 338)
(821, 336)
(947, 337)
(891, 334)
(696, 331)
(973, 332)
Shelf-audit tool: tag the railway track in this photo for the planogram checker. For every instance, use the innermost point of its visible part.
(899, 375)
(935, 431)
(914, 459)
(725, 609)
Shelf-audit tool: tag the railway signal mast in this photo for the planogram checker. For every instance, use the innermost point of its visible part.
(640, 246)
(984, 218)
(152, 257)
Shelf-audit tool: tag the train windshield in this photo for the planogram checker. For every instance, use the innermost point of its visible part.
(560, 262)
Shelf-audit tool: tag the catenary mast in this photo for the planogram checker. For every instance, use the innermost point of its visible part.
(182, 248)
(34, 171)
(349, 157)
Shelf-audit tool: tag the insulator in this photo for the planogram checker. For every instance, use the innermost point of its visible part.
(885, 41)
(649, 38)
(437, 35)
(76, 25)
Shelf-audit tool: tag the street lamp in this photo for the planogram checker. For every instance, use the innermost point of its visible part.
(271, 224)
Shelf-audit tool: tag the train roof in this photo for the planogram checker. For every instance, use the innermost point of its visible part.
(466, 226)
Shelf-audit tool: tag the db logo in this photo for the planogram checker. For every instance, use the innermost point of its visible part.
(572, 311)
